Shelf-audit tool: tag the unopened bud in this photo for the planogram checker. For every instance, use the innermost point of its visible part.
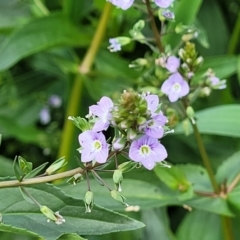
(131, 134)
(190, 114)
(118, 197)
(127, 166)
(119, 144)
(141, 120)
(76, 178)
(55, 166)
(55, 217)
(89, 201)
(117, 178)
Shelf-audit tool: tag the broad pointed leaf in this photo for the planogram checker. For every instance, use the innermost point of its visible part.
(20, 216)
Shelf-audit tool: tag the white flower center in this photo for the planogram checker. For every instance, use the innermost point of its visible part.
(145, 150)
(176, 87)
(97, 145)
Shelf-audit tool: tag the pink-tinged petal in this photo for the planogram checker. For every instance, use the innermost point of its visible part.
(163, 3)
(85, 138)
(160, 153)
(166, 87)
(87, 155)
(100, 126)
(172, 64)
(101, 157)
(148, 163)
(152, 102)
(185, 88)
(155, 132)
(106, 102)
(96, 110)
(123, 4)
(173, 96)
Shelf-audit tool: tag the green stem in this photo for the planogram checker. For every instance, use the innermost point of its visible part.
(227, 228)
(75, 96)
(25, 182)
(234, 40)
(154, 27)
(204, 156)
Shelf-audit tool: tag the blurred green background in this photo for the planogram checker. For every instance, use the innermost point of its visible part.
(42, 44)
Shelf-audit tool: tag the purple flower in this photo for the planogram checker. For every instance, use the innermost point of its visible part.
(123, 4)
(163, 3)
(152, 103)
(147, 150)
(168, 14)
(55, 101)
(154, 127)
(115, 46)
(94, 147)
(103, 111)
(172, 64)
(44, 115)
(216, 83)
(175, 87)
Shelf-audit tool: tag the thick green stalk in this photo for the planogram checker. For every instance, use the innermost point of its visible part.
(75, 96)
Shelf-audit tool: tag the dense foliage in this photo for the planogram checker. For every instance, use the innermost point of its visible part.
(77, 76)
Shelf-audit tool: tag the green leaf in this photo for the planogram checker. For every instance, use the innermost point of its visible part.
(182, 16)
(37, 170)
(233, 197)
(215, 205)
(220, 120)
(17, 170)
(200, 225)
(229, 169)
(157, 224)
(224, 66)
(72, 236)
(6, 167)
(76, 9)
(20, 216)
(27, 134)
(173, 177)
(147, 195)
(52, 31)
(140, 193)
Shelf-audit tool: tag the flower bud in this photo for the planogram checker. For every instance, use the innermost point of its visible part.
(55, 166)
(190, 114)
(127, 166)
(55, 217)
(205, 92)
(76, 178)
(89, 201)
(186, 127)
(131, 134)
(118, 197)
(117, 178)
(141, 120)
(25, 166)
(119, 143)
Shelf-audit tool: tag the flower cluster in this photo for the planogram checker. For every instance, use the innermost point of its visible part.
(175, 86)
(138, 123)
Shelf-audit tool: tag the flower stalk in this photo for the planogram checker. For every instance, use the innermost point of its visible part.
(154, 27)
(84, 69)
